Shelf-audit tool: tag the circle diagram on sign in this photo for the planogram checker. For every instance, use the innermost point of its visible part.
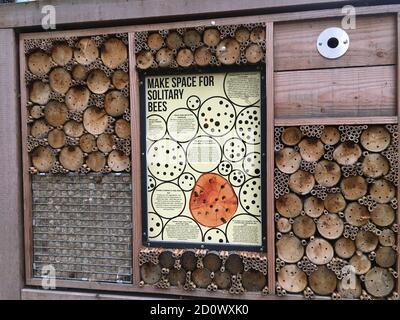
(156, 127)
(215, 235)
(204, 154)
(155, 225)
(252, 164)
(243, 228)
(193, 102)
(186, 181)
(249, 196)
(248, 125)
(242, 89)
(224, 168)
(182, 125)
(182, 228)
(168, 200)
(236, 178)
(166, 160)
(234, 149)
(217, 116)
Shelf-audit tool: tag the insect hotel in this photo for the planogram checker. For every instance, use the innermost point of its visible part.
(247, 157)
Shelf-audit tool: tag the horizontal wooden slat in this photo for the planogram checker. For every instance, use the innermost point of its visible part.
(373, 42)
(335, 121)
(343, 92)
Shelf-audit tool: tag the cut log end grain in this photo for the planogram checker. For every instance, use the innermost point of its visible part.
(290, 249)
(39, 129)
(95, 120)
(122, 129)
(114, 53)
(257, 35)
(56, 138)
(234, 264)
(201, 277)
(71, 158)
(289, 205)
(166, 259)
(79, 72)
(61, 54)
(375, 139)
(311, 149)
(120, 79)
(288, 160)
(39, 63)
(382, 191)
(213, 200)
(242, 34)
(350, 290)
(174, 40)
(387, 238)
(97, 81)
(164, 57)
(335, 202)
(354, 188)
(301, 182)
(60, 80)
(375, 165)
(228, 51)
(347, 153)
(292, 278)
(222, 280)
(291, 136)
(192, 38)
(319, 251)
(212, 262)
(366, 241)
(36, 111)
(254, 53)
(356, 214)
(86, 51)
(379, 282)
(188, 261)
(105, 142)
(313, 207)
(155, 41)
(327, 173)
(385, 257)
(202, 56)
(144, 60)
(87, 143)
(150, 273)
(185, 57)
(330, 226)
(323, 281)
(304, 227)
(330, 136)
(118, 161)
(345, 248)
(211, 37)
(361, 263)
(43, 159)
(39, 92)
(283, 225)
(115, 103)
(56, 113)
(383, 215)
(253, 280)
(73, 128)
(177, 278)
(77, 98)
(96, 161)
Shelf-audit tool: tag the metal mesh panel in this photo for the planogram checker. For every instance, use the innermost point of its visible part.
(82, 226)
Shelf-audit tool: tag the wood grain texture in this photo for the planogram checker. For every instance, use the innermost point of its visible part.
(270, 215)
(11, 236)
(341, 92)
(398, 115)
(372, 43)
(136, 161)
(336, 121)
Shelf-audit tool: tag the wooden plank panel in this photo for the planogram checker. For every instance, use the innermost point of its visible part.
(373, 42)
(335, 121)
(343, 92)
(398, 115)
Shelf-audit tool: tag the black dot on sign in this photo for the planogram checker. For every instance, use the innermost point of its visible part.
(209, 108)
(221, 102)
(206, 125)
(221, 240)
(157, 224)
(151, 229)
(203, 114)
(209, 238)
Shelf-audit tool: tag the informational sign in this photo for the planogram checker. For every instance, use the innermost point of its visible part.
(203, 158)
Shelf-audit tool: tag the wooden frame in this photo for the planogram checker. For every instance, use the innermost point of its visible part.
(270, 21)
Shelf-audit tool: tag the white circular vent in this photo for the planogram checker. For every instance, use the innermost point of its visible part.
(333, 43)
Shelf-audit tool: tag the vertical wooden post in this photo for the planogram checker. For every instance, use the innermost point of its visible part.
(270, 155)
(398, 147)
(135, 155)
